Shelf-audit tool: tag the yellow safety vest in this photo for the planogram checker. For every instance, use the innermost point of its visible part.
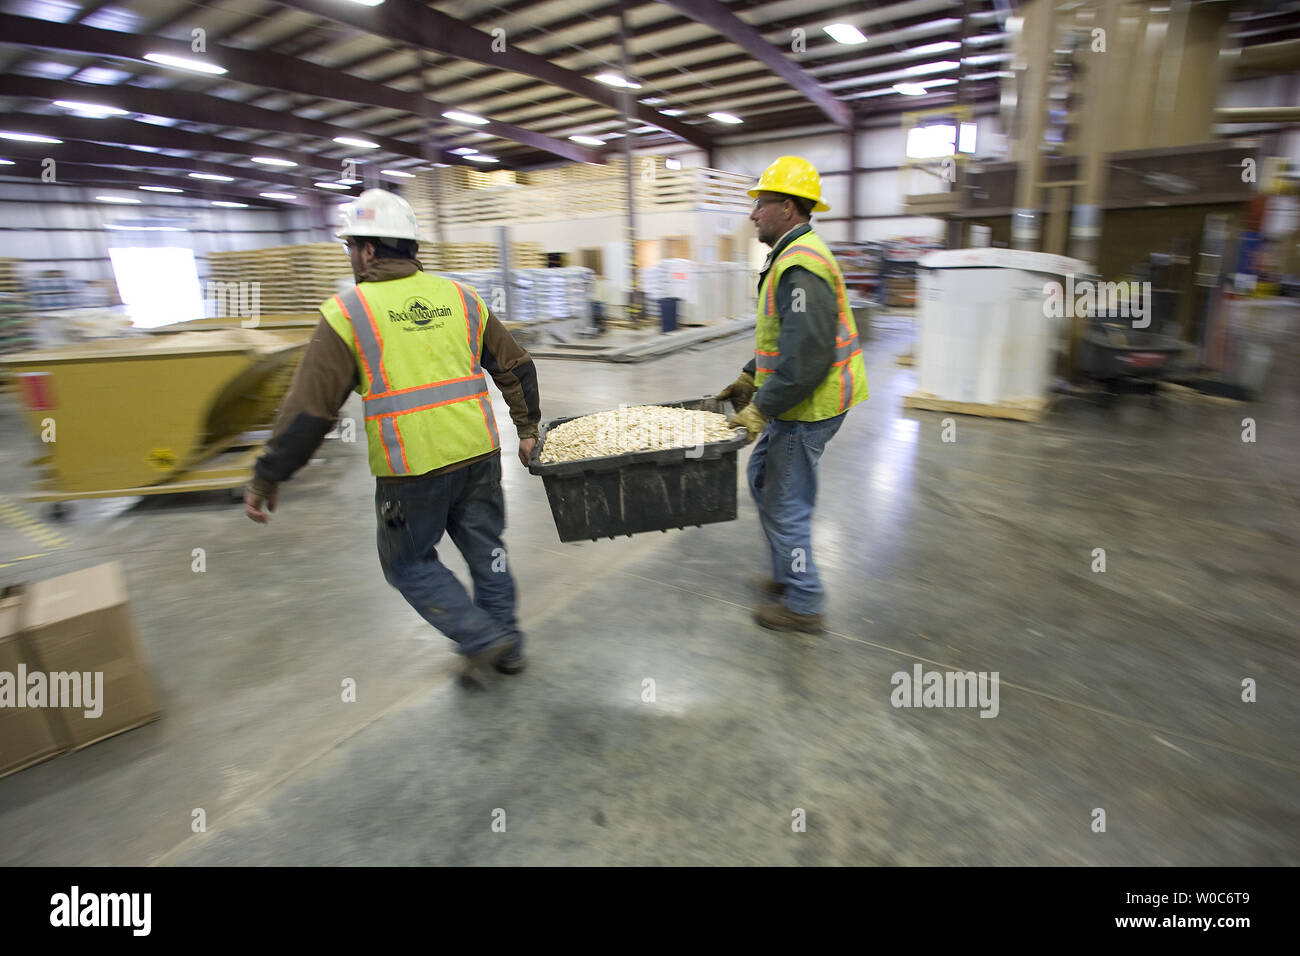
(417, 343)
(846, 383)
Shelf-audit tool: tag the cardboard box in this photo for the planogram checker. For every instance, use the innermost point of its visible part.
(76, 632)
(27, 735)
(80, 623)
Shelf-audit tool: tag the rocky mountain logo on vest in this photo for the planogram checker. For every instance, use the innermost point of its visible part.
(420, 313)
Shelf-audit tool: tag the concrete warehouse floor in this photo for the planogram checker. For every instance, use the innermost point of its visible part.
(1119, 690)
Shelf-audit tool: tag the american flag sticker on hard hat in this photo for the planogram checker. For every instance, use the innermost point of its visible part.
(365, 214)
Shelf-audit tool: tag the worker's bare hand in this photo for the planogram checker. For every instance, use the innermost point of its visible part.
(526, 446)
(253, 505)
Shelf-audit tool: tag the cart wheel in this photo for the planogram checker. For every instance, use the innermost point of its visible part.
(59, 511)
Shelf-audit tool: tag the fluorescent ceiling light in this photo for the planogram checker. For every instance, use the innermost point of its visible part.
(368, 3)
(587, 140)
(442, 165)
(28, 137)
(921, 69)
(90, 109)
(844, 33)
(726, 118)
(654, 100)
(273, 161)
(7, 162)
(463, 150)
(397, 173)
(613, 79)
(112, 225)
(277, 195)
(161, 189)
(348, 182)
(909, 89)
(359, 143)
(213, 177)
(482, 158)
(229, 205)
(943, 46)
(331, 186)
(609, 136)
(184, 63)
(673, 112)
(461, 117)
(120, 200)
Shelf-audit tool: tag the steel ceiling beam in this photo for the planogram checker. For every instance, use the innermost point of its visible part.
(98, 154)
(127, 132)
(271, 70)
(75, 174)
(407, 21)
(198, 108)
(716, 15)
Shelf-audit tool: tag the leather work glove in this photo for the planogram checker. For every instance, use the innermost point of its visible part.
(740, 391)
(750, 419)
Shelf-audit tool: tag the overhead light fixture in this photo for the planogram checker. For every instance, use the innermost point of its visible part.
(943, 46)
(359, 143)
(7, 162)
(348, 182)
(909, 89)
(654, 100)
(161, 189)
(397, 173)
(120, 200)
(213, 177)
(844, 33)
(96, 110)
(331, 186)
(121, 228)
(442, 165)
(184, 63)
(940, 66)
(726, 118)
(614, 80)
(587, 140)
(28, 137)
(671, 163)
(609, 136)
(673, 112)
(229, 205)
(277, 195)
(273, 161)
(463, 150)
(368, 3)
(482, 158)
(459, 117)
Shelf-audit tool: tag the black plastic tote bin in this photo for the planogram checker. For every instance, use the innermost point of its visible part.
(642, 490)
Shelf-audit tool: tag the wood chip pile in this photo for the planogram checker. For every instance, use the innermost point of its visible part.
(640, 428)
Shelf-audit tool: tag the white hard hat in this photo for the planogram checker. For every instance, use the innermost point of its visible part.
(379, 213)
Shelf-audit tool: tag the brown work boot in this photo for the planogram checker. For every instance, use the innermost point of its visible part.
(768, 585)
(778, 617)
(476, 664)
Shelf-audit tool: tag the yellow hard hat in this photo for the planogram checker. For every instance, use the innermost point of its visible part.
(794, 176)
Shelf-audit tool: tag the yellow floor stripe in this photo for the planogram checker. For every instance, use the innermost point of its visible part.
(25, 557)
(29, 525)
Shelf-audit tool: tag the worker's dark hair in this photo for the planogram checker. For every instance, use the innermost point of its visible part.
(389, 248)
(805, 206)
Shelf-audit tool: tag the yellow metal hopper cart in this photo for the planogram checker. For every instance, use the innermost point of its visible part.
(153, 415)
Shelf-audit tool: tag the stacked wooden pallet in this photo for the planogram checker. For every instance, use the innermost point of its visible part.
(479, 256)
(291, 279)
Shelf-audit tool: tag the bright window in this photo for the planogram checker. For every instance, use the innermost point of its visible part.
(158, 285)
(933, 142)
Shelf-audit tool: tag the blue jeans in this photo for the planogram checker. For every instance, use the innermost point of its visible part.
(783, 482)
(466, 503)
